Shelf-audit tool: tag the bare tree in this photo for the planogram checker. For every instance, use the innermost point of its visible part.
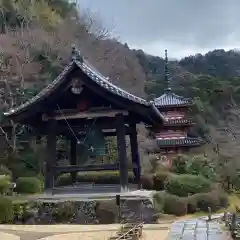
(31, 38)
(224, 148)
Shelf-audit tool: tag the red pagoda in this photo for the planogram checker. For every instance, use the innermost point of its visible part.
(173, 137)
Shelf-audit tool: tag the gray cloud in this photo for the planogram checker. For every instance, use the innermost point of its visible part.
(178, 24)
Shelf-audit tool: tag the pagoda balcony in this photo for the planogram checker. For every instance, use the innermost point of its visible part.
(179, 122)
(179, 142)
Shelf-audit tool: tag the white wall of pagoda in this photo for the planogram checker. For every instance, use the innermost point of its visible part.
(174, 114)
(171, 134)
(168, 133)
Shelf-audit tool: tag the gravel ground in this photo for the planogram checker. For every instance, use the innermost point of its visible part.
(76, 232)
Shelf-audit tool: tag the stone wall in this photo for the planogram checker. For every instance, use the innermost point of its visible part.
(84, 212)
(137, 211)
(77, 212)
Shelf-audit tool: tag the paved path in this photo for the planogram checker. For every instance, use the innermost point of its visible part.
(195, 229)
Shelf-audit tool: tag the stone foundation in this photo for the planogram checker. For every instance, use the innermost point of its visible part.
(137, 211)
(58, 212)
(84, 212)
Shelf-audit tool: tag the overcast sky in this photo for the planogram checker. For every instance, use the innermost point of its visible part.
(184, 27)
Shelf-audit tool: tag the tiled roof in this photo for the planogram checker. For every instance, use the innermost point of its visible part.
(188, 141)
(93, 74)
(171, 99)
(105, 83)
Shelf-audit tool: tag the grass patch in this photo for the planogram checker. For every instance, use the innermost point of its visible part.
(234, 201)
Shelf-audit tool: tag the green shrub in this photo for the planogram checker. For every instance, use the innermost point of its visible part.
(185, 185)
(147, 182)
(191, 202)
(64, 212)
(101, 177)
(216, 200)
(174, 205)
(159, 201)
(5, 184)
(223, 199)
(18, 209)
(159, 179)
(179, 164)
(106, 212)
(28, 185)
(6, 210)
(213, 200)
(5, 171)
(200, 165)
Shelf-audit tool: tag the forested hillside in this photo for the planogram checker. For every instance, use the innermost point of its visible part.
(35, 44)
(212, 81)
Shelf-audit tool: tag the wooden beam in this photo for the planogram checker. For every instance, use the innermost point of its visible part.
(65, 130)
(81, 132)
(81, 168)
(73, 157)
(113, 132)
(135, 153)
(62, 115)
(122, 152)
(50, 155)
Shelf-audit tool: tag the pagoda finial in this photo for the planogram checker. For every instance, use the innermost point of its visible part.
(76, 55)
(166, 73)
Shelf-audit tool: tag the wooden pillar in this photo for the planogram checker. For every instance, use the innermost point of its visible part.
(50, 155)
(122, 151)
(73, 158)
(135, 154)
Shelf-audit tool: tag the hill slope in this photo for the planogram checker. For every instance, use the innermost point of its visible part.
(35, 44)
(212, 81)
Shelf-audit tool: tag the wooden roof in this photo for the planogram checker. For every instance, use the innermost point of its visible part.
(137, 104)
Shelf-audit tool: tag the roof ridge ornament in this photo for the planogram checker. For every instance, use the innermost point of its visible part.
(76, 54)
(166, 74)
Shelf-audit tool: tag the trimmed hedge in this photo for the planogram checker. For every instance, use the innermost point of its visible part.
(174, 205)
(6, 210)
(64, 213)
(103, 177)
(5, 184)
(28, 185)
(159, 179)
(5, 171)
(147, 182)
(215, 200)
(185, 185)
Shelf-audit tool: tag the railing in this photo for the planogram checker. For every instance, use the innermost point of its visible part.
(83, 168)
(134, 233)
(232, 222)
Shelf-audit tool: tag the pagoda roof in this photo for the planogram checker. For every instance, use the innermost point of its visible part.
(93, 77)
(181, 142)
(170, 99)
